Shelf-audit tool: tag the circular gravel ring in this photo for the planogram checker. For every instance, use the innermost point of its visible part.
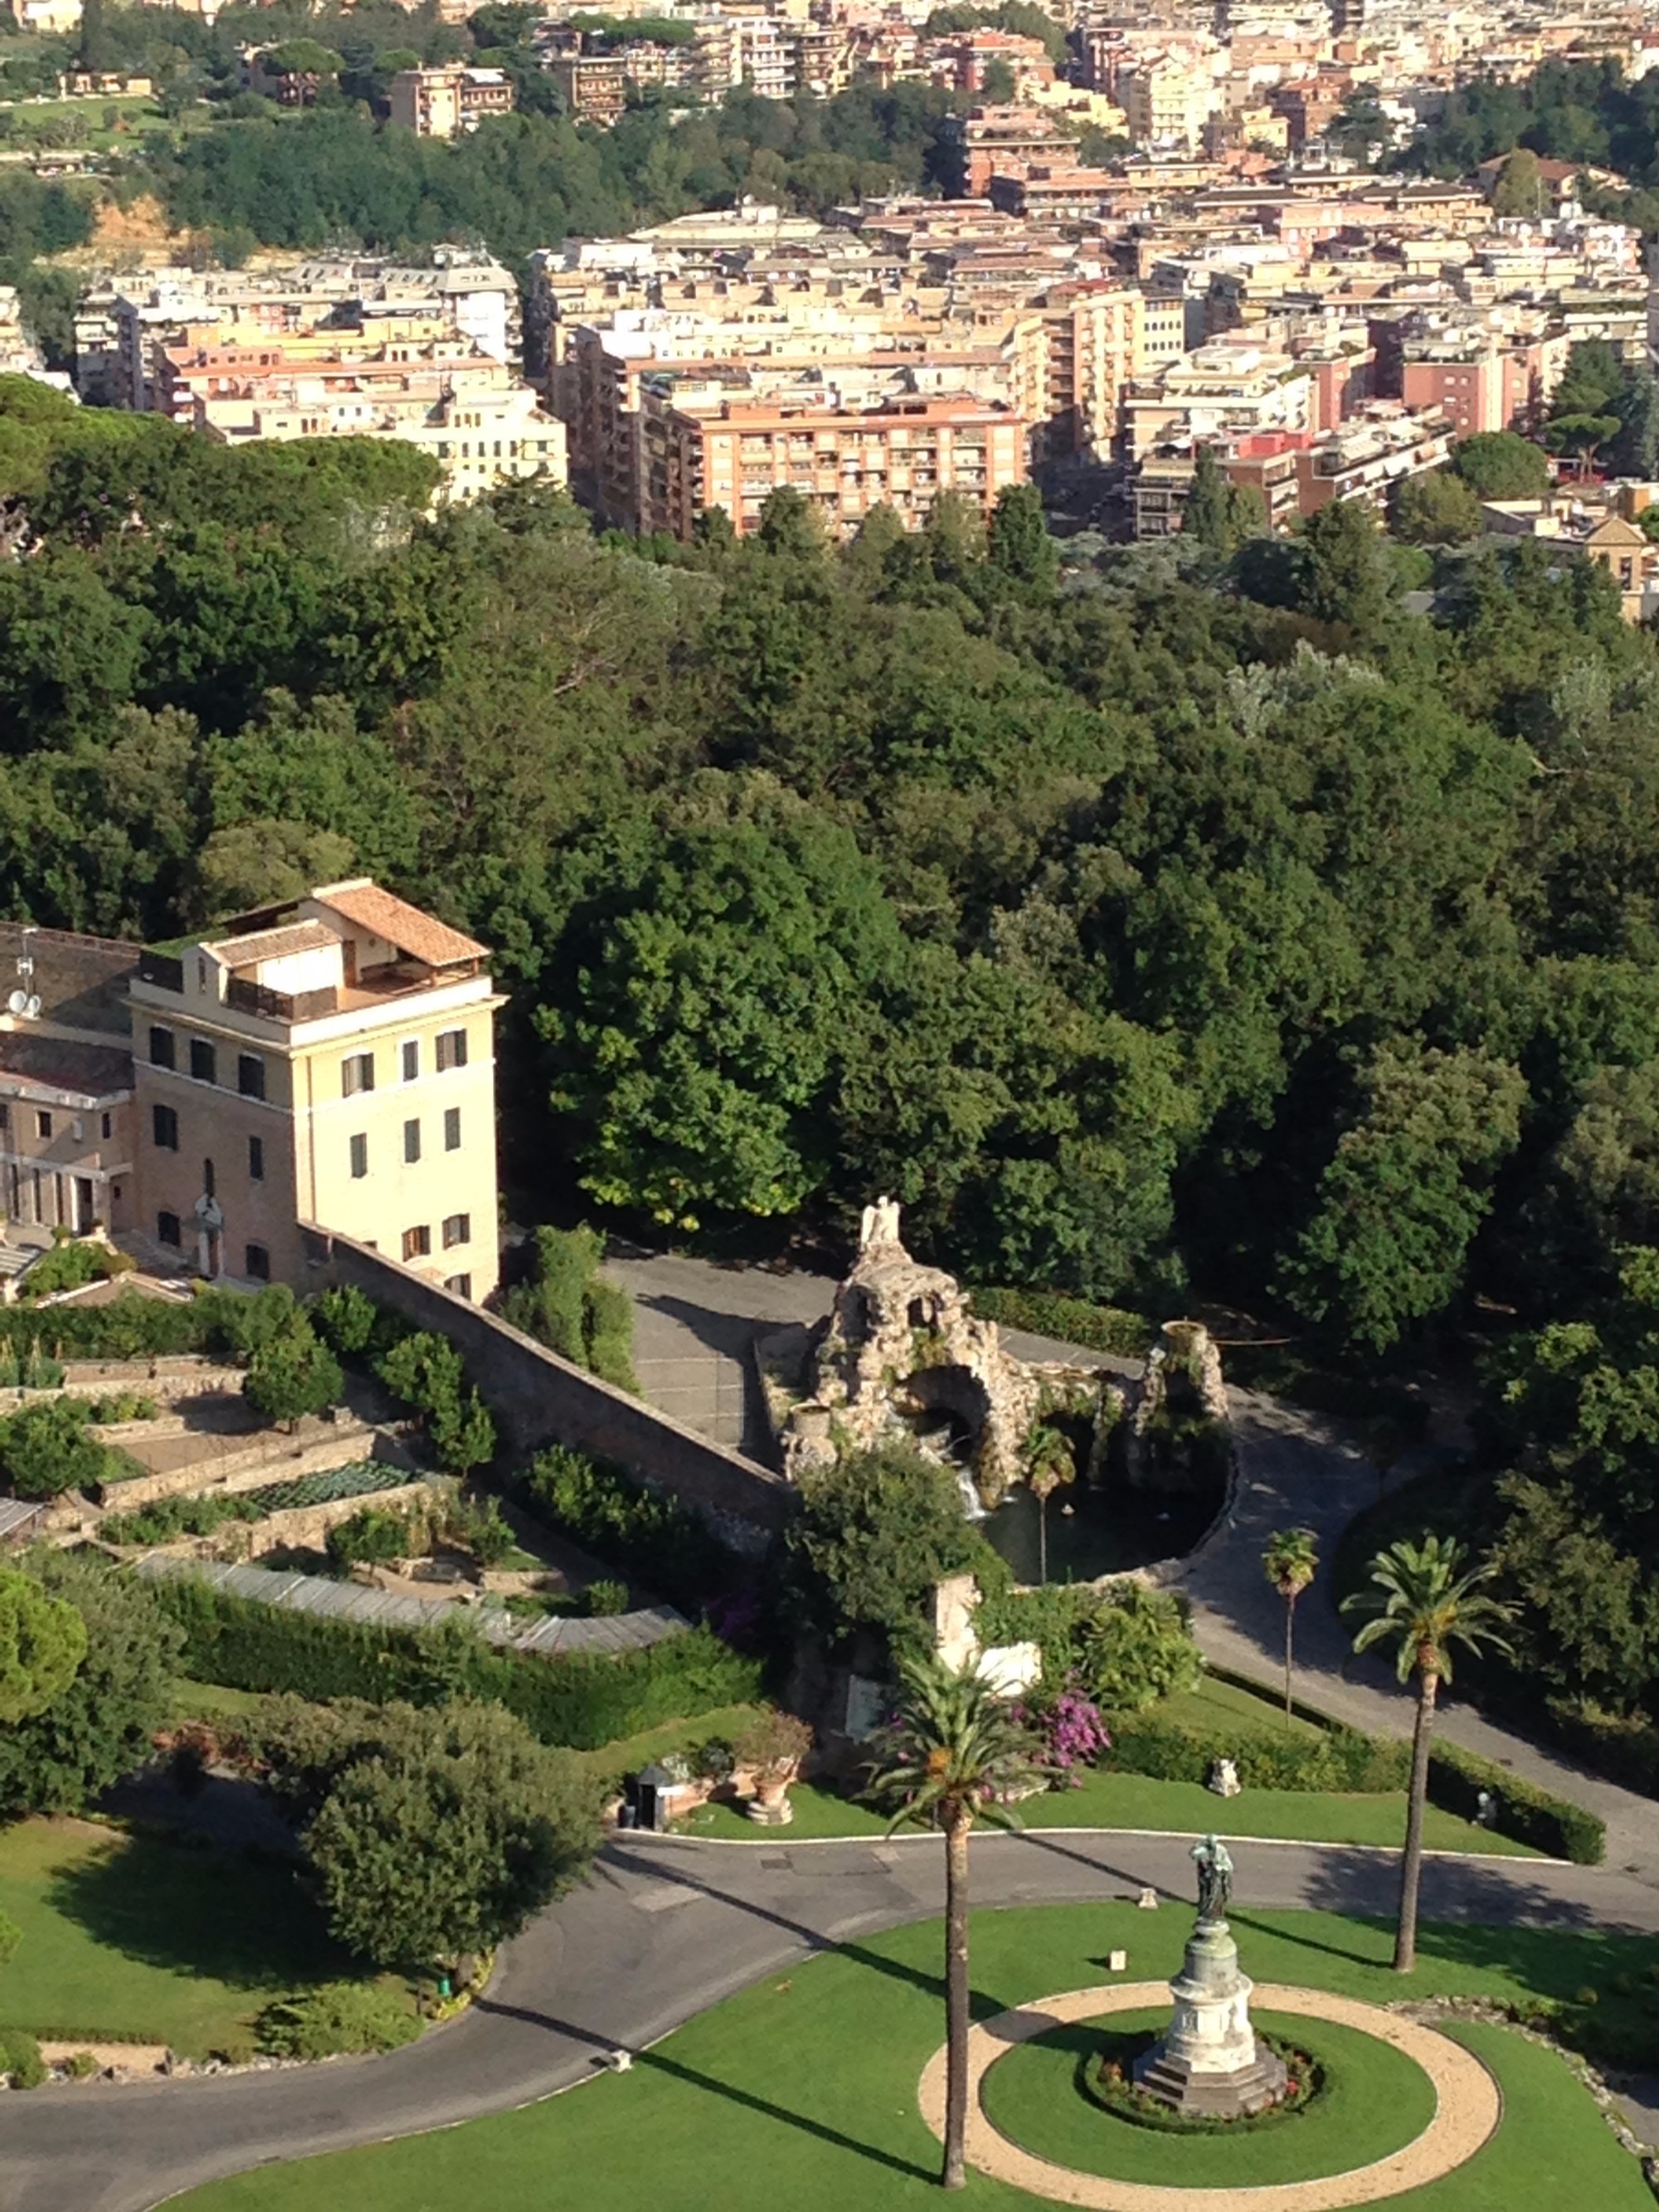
(1467, 2112)
(1041, 2095)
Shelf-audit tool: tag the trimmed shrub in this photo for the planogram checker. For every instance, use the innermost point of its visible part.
(1175, 1751)
(1072, 1321)
(374, 1537)
(1521, 1809)
(601, 1598)
(567, 1308)
(44, 1450)
(19, 2058)
(340, 2016)
(659, 1541)
(582, 1699)
(1126, 1645)
(1624, 1747)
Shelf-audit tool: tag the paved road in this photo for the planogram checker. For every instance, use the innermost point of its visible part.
(664, 1929)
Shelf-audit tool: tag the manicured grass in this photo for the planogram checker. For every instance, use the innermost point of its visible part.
(1215, 1703)
(149, 1942)
(802, 2091)
(1136, 1801)
(210, 1701)
(630, 1752)
(1374, 2100)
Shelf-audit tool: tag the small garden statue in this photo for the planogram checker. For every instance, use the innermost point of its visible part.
(1215, 1878)
(1224, 1778)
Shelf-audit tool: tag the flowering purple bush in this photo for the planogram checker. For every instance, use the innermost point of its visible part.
(1074, 1733)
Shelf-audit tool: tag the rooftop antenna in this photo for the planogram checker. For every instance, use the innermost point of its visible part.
(23, 1000)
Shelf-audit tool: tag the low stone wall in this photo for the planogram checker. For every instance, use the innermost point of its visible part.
(92, 1378)
(72, 1515)
(538, 1398)
(298, 1527)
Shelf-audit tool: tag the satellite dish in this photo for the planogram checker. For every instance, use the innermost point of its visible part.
(31, 1008)
(17, 1002)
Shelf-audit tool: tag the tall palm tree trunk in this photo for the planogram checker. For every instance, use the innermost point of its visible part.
(1411, 1864)
(958, 1822)
(1290, 1649)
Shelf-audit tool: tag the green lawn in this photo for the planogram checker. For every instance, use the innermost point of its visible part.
(630, 1752)
(802, 2091)
(1374, 2100)
(210, 1701)
(149, 1941)
(1135, 1800)
(1215, 1702)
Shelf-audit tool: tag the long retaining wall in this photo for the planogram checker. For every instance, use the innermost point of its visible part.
(540, 1399)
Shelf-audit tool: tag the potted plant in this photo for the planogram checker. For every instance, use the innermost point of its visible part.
(772, 1748)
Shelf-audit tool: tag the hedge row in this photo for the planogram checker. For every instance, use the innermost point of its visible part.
(1343, 1759)
(657, 1542)
(1624, 1749)
(583, 1701)
(1073, 1321)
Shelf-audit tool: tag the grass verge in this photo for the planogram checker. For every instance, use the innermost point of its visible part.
(803, 2087)
(143, 1940)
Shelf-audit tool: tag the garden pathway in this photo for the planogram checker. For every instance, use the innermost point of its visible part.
(664, 1928)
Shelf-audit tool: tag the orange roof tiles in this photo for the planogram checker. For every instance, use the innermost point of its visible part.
(419, 935)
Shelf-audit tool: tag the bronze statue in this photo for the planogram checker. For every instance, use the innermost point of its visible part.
(1215, 1877)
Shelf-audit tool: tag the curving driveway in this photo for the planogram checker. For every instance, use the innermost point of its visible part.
(663, 1928)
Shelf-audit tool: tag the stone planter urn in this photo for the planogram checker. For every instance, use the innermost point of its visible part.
(772, 1749)
(770, 1806)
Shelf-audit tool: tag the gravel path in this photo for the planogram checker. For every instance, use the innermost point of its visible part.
(1468, 2109)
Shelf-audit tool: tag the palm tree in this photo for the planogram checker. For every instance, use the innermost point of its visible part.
(1050, 1461)
(1291, 1560)
(1425, 1602)
(953, 1750)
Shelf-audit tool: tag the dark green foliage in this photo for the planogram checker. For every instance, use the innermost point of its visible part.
(1219, 513)
(340, 2017)
(1577, 1543)
(873, 1535)
(1124, 1646)
(1072, 1321)
(99, 1726)
(19, 2059)
(370, 1538)
(429, 1374)
(44, 1450)
(582, 1700)
(662, 1544)
(43, 1641)
(435, 1834)
(567, 1309)
(293, 1375)
(1501, 464)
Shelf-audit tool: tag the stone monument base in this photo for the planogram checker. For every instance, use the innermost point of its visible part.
(1210, 2063)
(1186, 2088)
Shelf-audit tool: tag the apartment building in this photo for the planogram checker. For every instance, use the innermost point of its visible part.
(332, 1061)
(124, 328)
(446, 103)
(699, 450)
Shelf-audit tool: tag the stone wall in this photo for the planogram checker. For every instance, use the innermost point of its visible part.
(298, 1527)
(540, 1399)
(265, 1459)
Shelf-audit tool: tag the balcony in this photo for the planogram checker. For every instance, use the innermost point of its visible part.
(372, 988)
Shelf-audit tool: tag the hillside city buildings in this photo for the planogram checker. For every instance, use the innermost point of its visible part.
(329, 1061)
(1191, 233)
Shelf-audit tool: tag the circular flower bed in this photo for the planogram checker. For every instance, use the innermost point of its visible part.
(1107, 2080)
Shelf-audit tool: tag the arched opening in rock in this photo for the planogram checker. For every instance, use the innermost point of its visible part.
(944, 1409)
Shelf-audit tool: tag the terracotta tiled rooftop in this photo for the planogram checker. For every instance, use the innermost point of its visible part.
(419, 935)
(274, 943)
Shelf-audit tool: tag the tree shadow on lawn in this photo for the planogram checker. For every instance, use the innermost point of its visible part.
(818, 2129)
(200, 1913)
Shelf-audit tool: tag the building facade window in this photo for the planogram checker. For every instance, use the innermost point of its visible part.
(43, 1125)
(5, 1119)
(450, 1050)
(167, 1229)
(453, 1129)
(356, 1073)
(108, 1127)
(417, 1243)
(359, 1159)
(411, 1059)
(210, 1180)
(460, 1285)
(251, 1074)
(256, 1159)
(203, 1062)
(411, 1142)
(164, 1128)
(258, 1263)
(161, 1049)
(457, 1229)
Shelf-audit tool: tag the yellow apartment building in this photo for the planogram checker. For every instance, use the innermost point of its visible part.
(331, 1061)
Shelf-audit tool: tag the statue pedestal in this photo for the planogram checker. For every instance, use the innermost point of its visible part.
(1210, 2063)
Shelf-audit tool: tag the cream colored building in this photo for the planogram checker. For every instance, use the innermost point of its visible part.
(329, 1061)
